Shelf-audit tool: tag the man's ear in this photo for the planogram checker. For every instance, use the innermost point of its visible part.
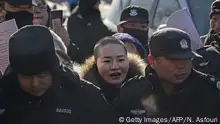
(151, 61)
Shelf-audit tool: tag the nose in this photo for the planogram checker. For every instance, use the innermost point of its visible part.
(114, 65)
(36, 10)
(35, 82)
(180, 64)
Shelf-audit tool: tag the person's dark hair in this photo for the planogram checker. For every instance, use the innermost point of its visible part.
(104, 41)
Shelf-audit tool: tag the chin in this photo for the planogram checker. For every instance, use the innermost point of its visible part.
(115, 82)
(178, 81)
(38, 94)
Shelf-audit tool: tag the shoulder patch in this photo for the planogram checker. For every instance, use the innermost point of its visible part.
(213, 80)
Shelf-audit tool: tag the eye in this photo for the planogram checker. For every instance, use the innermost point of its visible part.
(121, 60)
(214, 19)
(26, 77)
(131, 25)
(106, 61)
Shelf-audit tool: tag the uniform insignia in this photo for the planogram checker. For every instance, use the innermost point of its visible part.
(183, 44)
(133, 12)
(203, 64)
(218, 84)
(63, 110)
(138, 111)
(2, 111)
(213, 80)
(217, 10)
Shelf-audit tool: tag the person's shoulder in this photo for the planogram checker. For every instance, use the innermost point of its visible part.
(209, 80)
(92, 91)
(75, 17)
(137, 81)
(208, 49)
(89, 86)
(209, 55)
(135, 88)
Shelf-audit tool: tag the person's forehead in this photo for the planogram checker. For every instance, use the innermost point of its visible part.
(111, 50)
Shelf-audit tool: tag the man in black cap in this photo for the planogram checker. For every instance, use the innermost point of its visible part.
(214, 23)
(38, 89)
(171, 87)
(20, 10)
(134, 20)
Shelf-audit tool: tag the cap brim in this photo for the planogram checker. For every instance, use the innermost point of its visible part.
(132, 20)
(186, 55)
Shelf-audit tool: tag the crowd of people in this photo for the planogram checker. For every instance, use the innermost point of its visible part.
(88, 74)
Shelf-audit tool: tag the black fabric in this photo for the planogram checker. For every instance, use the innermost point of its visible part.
(69, 100)
(134, 13)
(2, 3)
(85, 31)
(215, 8)
(162, 40)
(19, 2)
(210, 62)
(142, 36)
(86, 7)
(197, 96)
(22, 18)
(211, 37)
(110, 91)
(31, 50)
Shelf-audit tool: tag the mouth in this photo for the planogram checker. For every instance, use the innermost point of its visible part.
(115, 76)
(180, 76)
(38, 17)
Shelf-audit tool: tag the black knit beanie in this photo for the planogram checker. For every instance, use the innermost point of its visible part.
(215, 8)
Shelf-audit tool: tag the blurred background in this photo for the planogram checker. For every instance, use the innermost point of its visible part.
(159, 11)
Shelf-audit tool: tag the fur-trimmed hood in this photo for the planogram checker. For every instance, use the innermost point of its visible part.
(136, 67)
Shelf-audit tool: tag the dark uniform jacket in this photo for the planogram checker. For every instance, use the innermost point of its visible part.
(208, 38)
(197, 96)
(69, 101)
(209, 63)
(89, 72)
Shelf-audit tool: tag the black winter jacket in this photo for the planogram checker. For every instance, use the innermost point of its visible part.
(70, 100)
(209, 63)
(197, 96)
(85, 31)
